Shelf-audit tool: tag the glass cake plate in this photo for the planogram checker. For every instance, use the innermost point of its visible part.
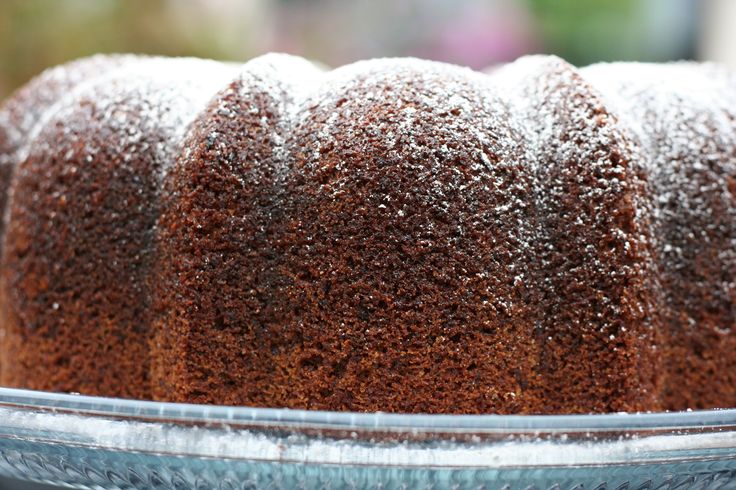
(105, 443)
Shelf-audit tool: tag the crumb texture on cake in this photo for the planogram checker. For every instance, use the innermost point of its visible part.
(393, 235)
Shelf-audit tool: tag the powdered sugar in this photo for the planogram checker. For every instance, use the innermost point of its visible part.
(572, 144)
(683, 119)
(23, 113)
(465, 100)
(134, 100)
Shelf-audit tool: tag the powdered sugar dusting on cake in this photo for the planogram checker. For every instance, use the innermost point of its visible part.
(472, 126)
(146, 103)
(594, 229)
(466, 102)
(287, 80)
(144, 96)
(683, 117)
(35, 102)
(30, 107)
(570, 132)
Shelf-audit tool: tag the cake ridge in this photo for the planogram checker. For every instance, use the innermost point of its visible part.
(91, 175)
(587, 188)
(681, 115)
(38, 88)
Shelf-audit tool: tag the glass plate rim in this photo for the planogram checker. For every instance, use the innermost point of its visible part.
(155, 411)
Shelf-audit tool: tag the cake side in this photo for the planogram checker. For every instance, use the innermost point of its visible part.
(598, 325)
(216, 278)
(79, 241)
(683, 116)
(394, 235)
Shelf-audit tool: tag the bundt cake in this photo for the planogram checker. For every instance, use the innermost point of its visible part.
(393, 235)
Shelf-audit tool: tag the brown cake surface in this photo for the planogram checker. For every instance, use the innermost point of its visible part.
(393, 235)
(683, 117)
(80, 242)
(384, 213)
(21, 115)
(596, 316)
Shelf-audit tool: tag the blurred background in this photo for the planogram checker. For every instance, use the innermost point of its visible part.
(36, 34)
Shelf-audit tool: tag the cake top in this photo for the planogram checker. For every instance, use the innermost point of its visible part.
(445, 85)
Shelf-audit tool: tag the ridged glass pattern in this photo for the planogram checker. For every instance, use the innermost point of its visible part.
(100, 443)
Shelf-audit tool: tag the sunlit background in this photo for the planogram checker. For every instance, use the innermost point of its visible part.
(35, 34)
